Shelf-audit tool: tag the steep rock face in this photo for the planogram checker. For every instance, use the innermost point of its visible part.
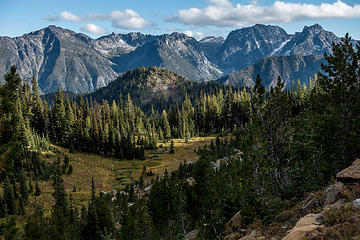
(118, 44)
(211, 47)
(60, 58)
(176, 52)
(289, 68)
(312, 40)
(247, 46)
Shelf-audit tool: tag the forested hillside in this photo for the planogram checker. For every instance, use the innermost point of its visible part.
(283, 144)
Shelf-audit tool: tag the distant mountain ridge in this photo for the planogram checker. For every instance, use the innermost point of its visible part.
(77, 63)
(290, 68)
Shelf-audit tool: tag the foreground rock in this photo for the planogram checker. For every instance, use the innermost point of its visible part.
(350, 174)
(254, 235)
(333, 193)
(308, 225)
(234, 224)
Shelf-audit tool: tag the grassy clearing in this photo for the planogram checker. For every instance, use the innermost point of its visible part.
(110, 174)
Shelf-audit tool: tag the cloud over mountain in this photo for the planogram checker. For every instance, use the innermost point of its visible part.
(127, 19)
(224, 13)
(92, 28)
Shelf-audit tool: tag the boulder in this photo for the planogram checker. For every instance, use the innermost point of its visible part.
(356, 202)
(337, 204)
(191, 235)
(254, 235)
(350, 174)
(147, 190)
(333, 193)
(307, 225)
(234, 224)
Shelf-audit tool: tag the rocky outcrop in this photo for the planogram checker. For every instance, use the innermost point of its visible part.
(310, 224)
(223, 161)
(350, 174)
(234, 224)
(333, 193)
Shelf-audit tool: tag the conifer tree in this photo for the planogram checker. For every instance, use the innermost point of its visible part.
(165, 125)
(9, 198)
(23, 188)
(37, 189)
(35, 227)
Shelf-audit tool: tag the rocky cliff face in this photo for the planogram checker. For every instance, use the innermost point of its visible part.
(247, 46)
(176, 52)
(312, 40)
(60, 58)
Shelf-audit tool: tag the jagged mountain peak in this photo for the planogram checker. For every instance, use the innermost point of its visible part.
(316, 28)
(258, 28)
(312, 40)
(175, 36)
(246, 46)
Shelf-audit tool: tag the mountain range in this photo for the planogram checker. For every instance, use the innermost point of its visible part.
(74, 62)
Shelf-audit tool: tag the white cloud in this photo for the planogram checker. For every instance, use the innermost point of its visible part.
(223, 13)
(173, 29)
(127, 19)
(92, 28)
(68, 16)
(64, 16)
(197, 35)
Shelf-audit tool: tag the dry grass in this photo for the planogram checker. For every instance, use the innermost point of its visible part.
(110, 173)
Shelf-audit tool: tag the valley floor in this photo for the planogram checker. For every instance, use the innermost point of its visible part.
(110, 174)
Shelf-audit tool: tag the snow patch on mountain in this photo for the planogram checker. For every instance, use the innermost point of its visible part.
(276, 50)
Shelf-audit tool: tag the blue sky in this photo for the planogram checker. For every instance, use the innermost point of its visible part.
(196, 18)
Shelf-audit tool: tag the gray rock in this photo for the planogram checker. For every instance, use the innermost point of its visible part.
(59, 58)
(333, 193)
(223, 161)
(357, 202)
(147, 190)
(350, 174)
